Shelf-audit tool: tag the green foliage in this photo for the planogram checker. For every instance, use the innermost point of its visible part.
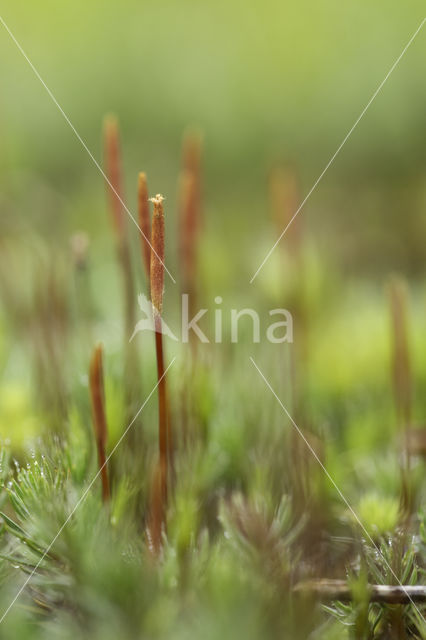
(379, 514)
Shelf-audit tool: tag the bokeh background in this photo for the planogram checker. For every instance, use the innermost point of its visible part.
(265, 81)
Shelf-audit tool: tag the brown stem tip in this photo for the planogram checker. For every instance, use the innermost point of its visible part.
(157, 254)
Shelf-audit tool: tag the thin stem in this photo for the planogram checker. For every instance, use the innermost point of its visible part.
(156, 518)
(329, 590)
(162, 407)
(190, 218)
(97, 397)
(106, 494)
(402, 381)
(144, 222)
(113, 165)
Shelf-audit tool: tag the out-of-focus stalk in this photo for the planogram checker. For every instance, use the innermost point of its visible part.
(144, 223)
(401, 362)
(113, 165)
(190, 213)
(402, 383)
(97, 396)
(285, 200)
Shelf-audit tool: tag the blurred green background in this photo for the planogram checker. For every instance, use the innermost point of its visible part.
(266, 81)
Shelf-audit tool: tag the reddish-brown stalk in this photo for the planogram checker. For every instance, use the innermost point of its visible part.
(284, 193)
(97, 396)
(401, 363)
(114, 174)
(402, 382)
(157, 287)
(188, 232)
(144, 223)
(84, 304)
(113, 167)
(157, 256)
(190, 213)
(285, 200)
